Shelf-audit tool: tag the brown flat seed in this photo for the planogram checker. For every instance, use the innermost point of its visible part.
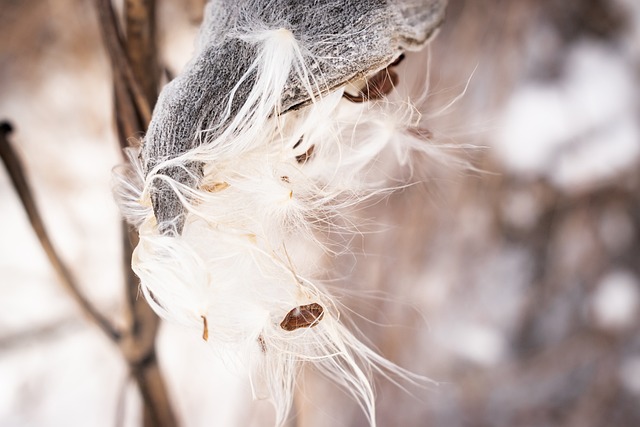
(378, 86)
(302, 158)
(263, 345)
(205, 330)
(304, 316)
(215, 187)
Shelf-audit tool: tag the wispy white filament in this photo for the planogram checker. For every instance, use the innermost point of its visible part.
(252, 243)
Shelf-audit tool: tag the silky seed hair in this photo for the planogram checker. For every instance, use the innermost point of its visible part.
(281, 125)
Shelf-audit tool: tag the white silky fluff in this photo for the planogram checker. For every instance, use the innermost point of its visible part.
(253, 243)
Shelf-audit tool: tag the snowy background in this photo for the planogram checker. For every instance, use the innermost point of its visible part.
(515, 286)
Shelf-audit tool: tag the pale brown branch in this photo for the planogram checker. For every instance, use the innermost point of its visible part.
(158, 411)
(18, 178)
(128, 123)
(140, 46)
(135, 78)
(119, 61)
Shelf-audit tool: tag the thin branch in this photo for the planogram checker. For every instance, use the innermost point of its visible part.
(158, 410)
(119, 60)
(141, 52)
(140, 46)
(128, 123)
(20, 183)
(135, 78)
(131, 63)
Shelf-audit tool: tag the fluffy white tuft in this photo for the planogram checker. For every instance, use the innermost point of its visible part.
(252, 242)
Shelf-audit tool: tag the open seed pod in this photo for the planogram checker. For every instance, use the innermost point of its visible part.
(254, 153)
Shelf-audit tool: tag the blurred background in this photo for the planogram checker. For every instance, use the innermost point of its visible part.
(514, 284)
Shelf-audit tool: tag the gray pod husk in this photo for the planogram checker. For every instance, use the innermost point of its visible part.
(354, 39)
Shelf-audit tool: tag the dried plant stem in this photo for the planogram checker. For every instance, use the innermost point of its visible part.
(137, 342)
(158, 411)
(141, 46)
(136, 74)
(119, 60)
(20, 183)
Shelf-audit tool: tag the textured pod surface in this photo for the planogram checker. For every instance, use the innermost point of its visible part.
(339, 41)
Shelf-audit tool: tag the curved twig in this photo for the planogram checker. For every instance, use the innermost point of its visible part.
(18, 178)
